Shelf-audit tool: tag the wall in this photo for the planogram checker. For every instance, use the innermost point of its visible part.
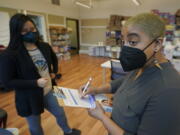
(50, 19)
(8, 10)
(104, 8)
(93, 21)
(4, 28)
(93, 30)
(54, 19)
(73, 36)
(53, 14)
(67, 8)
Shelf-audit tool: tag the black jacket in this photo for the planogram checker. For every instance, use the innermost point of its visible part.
(18, 72)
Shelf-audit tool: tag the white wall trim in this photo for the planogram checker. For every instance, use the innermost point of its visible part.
(84, 51)
(95, 27)
(57, 25)
(92, 17)
(88, 45)
(33, 13)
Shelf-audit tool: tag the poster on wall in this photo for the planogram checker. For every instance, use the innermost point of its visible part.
(4, 28)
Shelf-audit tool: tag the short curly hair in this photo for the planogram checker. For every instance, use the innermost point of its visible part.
(149, 23)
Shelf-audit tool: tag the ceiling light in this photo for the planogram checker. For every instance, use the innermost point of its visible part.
(83, 5)
(136, 2)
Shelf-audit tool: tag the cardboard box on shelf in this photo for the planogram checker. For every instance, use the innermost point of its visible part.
(178, 12)
(166, 16)
(112, 20)
(178, 20)
(111, 42)
(115, 22)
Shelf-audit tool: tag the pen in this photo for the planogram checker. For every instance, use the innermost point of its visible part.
(87, 85)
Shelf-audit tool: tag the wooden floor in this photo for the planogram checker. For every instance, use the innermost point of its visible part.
(75, 72)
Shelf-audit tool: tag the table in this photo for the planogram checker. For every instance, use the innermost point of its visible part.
(176, 63)
(106, 65)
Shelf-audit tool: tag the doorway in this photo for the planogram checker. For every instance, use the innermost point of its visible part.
(73, 26)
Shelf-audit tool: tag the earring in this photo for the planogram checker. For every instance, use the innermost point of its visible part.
(156, 63)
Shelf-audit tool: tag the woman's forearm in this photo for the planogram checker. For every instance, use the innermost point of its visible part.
(112, 127)
(104, 89)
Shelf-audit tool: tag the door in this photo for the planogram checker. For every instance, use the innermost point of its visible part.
(73, 27)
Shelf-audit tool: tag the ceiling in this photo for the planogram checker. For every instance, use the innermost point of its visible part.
(104, 8)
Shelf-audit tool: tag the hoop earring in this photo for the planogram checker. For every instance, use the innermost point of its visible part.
(156, 63)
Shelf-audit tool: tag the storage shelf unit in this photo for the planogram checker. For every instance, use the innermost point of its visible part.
(60, 42)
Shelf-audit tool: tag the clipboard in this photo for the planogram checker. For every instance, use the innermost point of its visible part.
(70, 97)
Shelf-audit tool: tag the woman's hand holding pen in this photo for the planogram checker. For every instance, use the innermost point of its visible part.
(90, 91)
(86, 89)
(98, 111)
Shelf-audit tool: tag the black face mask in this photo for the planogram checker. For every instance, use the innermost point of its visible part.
(30, 37)
(133, 58)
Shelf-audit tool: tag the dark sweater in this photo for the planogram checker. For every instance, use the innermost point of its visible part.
(18, 72)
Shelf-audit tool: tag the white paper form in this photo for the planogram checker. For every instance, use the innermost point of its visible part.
(73, 99)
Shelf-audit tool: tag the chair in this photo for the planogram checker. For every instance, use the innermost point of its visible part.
(2, 48)
(3, 123)
(3, 118)
(2, 88)
(5, 132)
(116, 70)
